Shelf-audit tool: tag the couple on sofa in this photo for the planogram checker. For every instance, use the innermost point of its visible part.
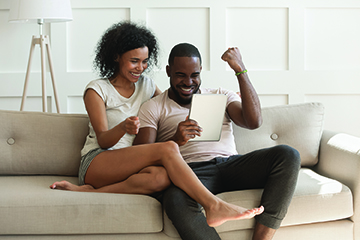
(138, 139)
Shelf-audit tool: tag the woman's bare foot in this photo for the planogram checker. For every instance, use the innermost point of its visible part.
(65, 185)
(225, 212)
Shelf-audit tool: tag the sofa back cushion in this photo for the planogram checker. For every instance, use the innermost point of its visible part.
(299, 126)
(41, 143)
(50, 143)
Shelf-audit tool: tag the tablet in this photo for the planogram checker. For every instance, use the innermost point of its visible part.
(208, 111)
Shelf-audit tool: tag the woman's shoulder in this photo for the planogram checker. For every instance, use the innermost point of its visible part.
(146, 87)
(145, 81)
(100, 82)
(100, 86)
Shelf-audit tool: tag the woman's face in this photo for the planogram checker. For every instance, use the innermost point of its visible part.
(133, 63)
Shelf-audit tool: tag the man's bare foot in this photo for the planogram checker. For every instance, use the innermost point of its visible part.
(65, 185)
(226, 212)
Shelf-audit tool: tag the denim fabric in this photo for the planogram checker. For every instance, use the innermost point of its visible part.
(273, 169)
(85, 163)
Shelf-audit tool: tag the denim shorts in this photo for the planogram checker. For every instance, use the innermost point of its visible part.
(85, 163)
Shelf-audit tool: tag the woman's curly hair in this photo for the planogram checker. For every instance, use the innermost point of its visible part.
(120, 38)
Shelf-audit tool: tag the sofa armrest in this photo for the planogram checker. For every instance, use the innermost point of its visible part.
(339, 158)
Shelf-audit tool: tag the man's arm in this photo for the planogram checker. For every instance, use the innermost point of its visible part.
(148, 117)
(246, 114)
(186, 130)
(145, 135)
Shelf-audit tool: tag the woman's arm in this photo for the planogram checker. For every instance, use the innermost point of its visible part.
(106, 138)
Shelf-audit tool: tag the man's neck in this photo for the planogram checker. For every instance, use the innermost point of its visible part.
(175, 98)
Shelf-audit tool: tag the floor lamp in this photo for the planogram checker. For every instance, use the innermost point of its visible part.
(40, 12)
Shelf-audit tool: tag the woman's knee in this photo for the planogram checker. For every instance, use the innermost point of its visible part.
(169, 148)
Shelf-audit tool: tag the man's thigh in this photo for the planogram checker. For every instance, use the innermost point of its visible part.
(249, 171)
(209, 174)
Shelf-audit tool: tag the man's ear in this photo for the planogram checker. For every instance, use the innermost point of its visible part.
(168, 70)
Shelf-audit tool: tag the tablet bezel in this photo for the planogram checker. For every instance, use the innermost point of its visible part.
(208, 110)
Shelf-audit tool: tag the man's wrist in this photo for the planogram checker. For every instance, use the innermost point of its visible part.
(239, 68)
(241, 72)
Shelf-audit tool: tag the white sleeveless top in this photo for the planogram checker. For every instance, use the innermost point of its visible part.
(118, 108)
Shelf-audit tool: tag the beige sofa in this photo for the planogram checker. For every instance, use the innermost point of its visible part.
(39, 148)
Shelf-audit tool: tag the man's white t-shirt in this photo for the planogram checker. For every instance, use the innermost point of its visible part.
(163, 114)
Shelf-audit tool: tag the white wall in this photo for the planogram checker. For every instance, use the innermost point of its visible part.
(296, 51)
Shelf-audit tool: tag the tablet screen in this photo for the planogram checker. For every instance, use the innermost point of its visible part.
(208, 111)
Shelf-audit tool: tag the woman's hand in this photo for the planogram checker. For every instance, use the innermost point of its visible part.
(131, 125)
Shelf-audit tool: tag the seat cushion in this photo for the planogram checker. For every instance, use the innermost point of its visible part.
(29, 206)
(316, 199)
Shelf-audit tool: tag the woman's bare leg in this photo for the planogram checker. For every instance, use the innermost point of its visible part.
(217, 211)
(148, 180)
(110, 168)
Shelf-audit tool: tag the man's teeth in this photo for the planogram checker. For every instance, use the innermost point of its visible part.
(186, 89)
(136, 75)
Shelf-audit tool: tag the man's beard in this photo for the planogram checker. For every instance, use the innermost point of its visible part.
(180, 99)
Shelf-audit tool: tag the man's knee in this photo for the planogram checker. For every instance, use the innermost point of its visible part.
(288, 156)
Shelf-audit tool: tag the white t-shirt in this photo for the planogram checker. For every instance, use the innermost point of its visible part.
(118, 108)
(164, 115)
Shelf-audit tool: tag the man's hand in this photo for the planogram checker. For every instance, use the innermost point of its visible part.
(186, 130)
(131, 125)
(233, 57)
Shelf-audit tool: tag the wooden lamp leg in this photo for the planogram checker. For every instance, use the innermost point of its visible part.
(52, 74)
(43, 41)
(32, 47)
(43, 73)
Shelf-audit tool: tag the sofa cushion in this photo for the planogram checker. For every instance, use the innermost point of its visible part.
(339, 230)
(41, 143)
(316, 199)
(31, 207)
(298, 125)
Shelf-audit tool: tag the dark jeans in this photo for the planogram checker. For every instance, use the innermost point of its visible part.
(273, 169)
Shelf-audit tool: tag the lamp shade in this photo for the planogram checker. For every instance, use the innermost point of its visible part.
(33, 10)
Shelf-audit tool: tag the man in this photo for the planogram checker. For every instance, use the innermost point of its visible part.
(217, 164)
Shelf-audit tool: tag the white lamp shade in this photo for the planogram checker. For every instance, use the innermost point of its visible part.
(33, 10)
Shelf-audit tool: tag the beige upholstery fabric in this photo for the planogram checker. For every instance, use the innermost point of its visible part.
(130, 236)
(298, 125)
(340, 230)
(40, 144)
(314, 196)
(340, 159)
(30, 142)
(31, 207)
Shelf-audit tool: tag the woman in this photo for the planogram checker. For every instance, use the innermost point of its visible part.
(109, 162)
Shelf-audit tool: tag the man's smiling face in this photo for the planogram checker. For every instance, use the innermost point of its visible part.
(185, 79)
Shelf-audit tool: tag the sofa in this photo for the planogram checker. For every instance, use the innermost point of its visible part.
(37, 149)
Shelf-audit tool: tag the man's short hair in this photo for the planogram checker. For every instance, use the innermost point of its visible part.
(183, 50)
